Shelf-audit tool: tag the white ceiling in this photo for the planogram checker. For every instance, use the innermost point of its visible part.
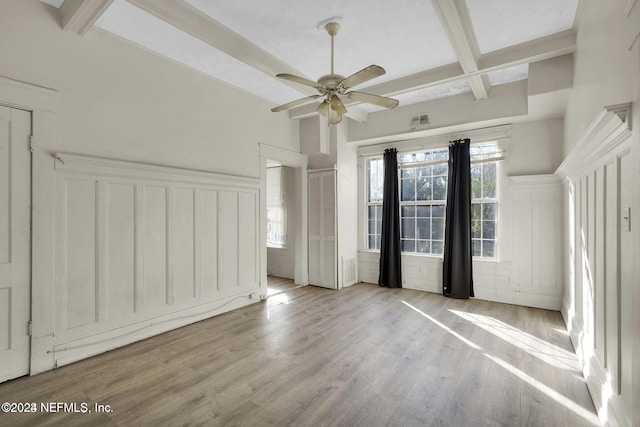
(430, 49)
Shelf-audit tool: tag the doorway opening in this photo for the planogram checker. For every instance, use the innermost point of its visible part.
(284, 220)
(280, 228)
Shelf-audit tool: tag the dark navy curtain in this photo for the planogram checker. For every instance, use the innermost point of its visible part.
(390, 267)
(457, 275)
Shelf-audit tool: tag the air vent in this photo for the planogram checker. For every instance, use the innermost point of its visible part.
(419, 121)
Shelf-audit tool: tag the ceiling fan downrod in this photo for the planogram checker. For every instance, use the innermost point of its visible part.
(332, 28)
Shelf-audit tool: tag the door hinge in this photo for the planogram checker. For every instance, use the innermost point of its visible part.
(31, 147)
(30, 328)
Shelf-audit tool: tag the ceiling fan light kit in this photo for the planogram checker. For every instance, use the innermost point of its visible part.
(332, 86)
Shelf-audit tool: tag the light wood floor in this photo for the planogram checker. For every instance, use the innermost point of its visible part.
(276, 285)
(362, 356)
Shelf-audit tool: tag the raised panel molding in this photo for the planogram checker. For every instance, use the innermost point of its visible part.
(141, 249)
(536, 209)
(596, 311)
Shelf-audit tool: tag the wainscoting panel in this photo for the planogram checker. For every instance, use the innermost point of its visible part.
(600, 261)
(141, 249)
(537, 236)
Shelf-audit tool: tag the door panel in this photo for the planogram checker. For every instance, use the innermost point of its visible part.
(15, 286)
(322, 229)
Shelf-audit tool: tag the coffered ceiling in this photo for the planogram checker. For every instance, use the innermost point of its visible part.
(429, 48)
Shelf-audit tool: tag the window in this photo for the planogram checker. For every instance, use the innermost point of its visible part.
(375, 180)
(483, 201)
(423, 193)
(276, 208)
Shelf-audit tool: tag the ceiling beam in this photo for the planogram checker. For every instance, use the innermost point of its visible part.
(532, 51)
(79, 15)
(456, 21)
(190, 20)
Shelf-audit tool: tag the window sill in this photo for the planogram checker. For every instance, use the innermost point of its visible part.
(429, 256)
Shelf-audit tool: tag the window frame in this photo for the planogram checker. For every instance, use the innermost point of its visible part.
(498, 154)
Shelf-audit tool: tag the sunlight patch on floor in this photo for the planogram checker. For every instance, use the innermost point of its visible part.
(543, 388)
(561, 399)
(543, 350)
(445, 327)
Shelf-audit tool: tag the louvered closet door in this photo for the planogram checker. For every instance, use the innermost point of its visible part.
(322, 229)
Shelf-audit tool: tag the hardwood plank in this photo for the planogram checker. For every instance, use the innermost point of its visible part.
(364, 355)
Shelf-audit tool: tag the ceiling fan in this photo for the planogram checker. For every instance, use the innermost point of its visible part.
(332, 86)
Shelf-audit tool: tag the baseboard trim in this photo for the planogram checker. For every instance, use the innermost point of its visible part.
(74, 350)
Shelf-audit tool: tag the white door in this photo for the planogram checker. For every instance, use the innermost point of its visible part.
(15, 238)
(322, 229)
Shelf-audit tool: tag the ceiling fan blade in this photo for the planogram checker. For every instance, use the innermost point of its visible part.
(373, 99)
(371, 72)
(300, 80)
(337, 105)
(294, 103)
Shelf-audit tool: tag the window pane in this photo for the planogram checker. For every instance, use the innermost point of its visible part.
(489, 180)
(408, 228)
(374, 242)
(477, 247)
(441, 155)
(489, 230)
(424, 188)
(422, 246)
(437, 247)
(439, 188)
(423, 228)
(440, 169)
(489, 211)
(437, 211)
(423, 171)
(372, 212)
(406, 173)
(476, 181)
(437, 229)
(372, 226)
(423, 211)
(408, 190)
(408, 211)
(476, 229)
(375, 172)
(407, 158)
(476, 211)
(488, 248)
(408, 245)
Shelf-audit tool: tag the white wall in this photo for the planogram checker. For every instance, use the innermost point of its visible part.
(116, 100)
(600, 292)
(120, 101)
(507, 100)
(347, 188)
